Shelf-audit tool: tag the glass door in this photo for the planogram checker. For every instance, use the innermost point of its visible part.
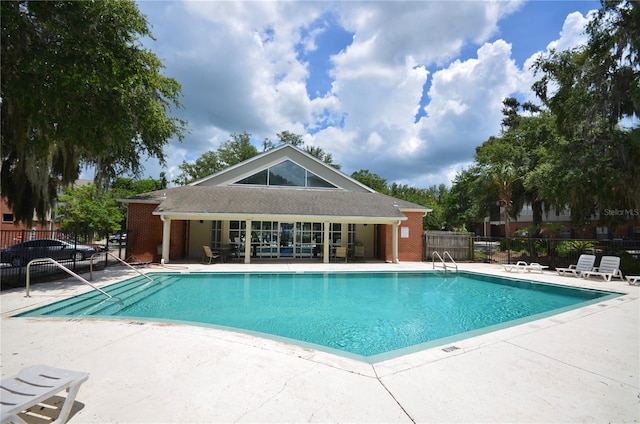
(287, 239)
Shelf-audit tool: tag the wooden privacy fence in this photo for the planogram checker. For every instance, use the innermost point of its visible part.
(459, 245)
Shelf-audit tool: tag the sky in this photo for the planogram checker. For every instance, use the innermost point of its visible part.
(404, 89)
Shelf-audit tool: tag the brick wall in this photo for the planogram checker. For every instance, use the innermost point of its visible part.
(145, 234)
(13, 225)
(409, 249)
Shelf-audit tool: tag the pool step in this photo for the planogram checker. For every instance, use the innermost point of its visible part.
(76, 303)
(130, 297)
(123, 292)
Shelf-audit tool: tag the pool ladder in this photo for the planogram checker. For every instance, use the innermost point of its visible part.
(65, 269)
(442, 261)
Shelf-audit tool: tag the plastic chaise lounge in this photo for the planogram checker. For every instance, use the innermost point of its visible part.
(35, 384)
(522, 266)
(633, 280)
(585, 263)
(608, 269)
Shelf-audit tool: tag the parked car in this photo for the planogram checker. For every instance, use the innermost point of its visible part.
(119, 238)
(20, 254)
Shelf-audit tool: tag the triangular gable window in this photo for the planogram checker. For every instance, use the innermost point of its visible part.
(287, 174)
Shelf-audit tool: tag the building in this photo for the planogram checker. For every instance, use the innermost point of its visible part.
(9, 222)
(281, 204)
(628, 227)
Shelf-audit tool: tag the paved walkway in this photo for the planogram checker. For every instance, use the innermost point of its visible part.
(579, 366)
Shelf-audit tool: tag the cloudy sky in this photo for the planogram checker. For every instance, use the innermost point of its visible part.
(404, 89)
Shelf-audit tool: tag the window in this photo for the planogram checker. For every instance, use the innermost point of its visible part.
(7, 217)
(216, 234)
(351, 234)
(335, 234)
(286, 174)
(264, 238)
(237, 231)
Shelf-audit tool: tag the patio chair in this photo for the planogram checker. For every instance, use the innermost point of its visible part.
(585, 263)
(522, 266)
(519, 266)
(341, 253)
(633, 280)
(608, 269)
(209, 254)
(36, 384)
(358, 252)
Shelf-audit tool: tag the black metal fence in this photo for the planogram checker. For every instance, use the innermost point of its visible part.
(76, 251)
(556, 253)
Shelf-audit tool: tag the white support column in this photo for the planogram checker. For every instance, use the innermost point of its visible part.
(247, 242)
(395, 242)
(325, 242)
(166, 237)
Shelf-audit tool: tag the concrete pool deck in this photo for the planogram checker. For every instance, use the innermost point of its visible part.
(579, 366)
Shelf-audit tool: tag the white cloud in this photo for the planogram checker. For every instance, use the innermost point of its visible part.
(241, 68)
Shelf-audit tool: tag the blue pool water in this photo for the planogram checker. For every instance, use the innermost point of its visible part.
(365, 314)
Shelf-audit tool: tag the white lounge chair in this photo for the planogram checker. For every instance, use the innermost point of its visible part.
(35, 384)
(608, 269)
(585, 263)
(633, 280)
(522, 266)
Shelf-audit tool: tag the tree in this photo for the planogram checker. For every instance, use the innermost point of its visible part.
(325, 157)
(525, 144)
(465, 203)
(502, 177)
(296, 140)
(126, 187)
(203, 166)
(371, 180)
(78, 89)
(290, 138)
(84, 208)
(235, 150)
(592, 90)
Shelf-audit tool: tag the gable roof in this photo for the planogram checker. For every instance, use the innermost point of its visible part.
(278, 204)
(218, 197)
(272, 157)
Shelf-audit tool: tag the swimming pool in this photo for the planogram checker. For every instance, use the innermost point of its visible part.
(370, 315)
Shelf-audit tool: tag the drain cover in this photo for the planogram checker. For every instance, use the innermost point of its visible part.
(451, 348)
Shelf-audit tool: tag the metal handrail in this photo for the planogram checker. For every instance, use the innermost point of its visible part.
(446, 254)
(444, 263)
(64, 268)
(114, 256)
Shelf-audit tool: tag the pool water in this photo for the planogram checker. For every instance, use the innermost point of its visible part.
(364, 314)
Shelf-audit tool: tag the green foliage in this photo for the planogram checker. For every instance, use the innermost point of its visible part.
(290, 138)
(582, 246)
(203, 166)
(590, 90)
(78, 89)
(371, 180)
(82, 208)
(464, 203)
(125, 187)
(325, 157)
(515, 244)
(236, 149)
(564, 248)
(573, 247)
